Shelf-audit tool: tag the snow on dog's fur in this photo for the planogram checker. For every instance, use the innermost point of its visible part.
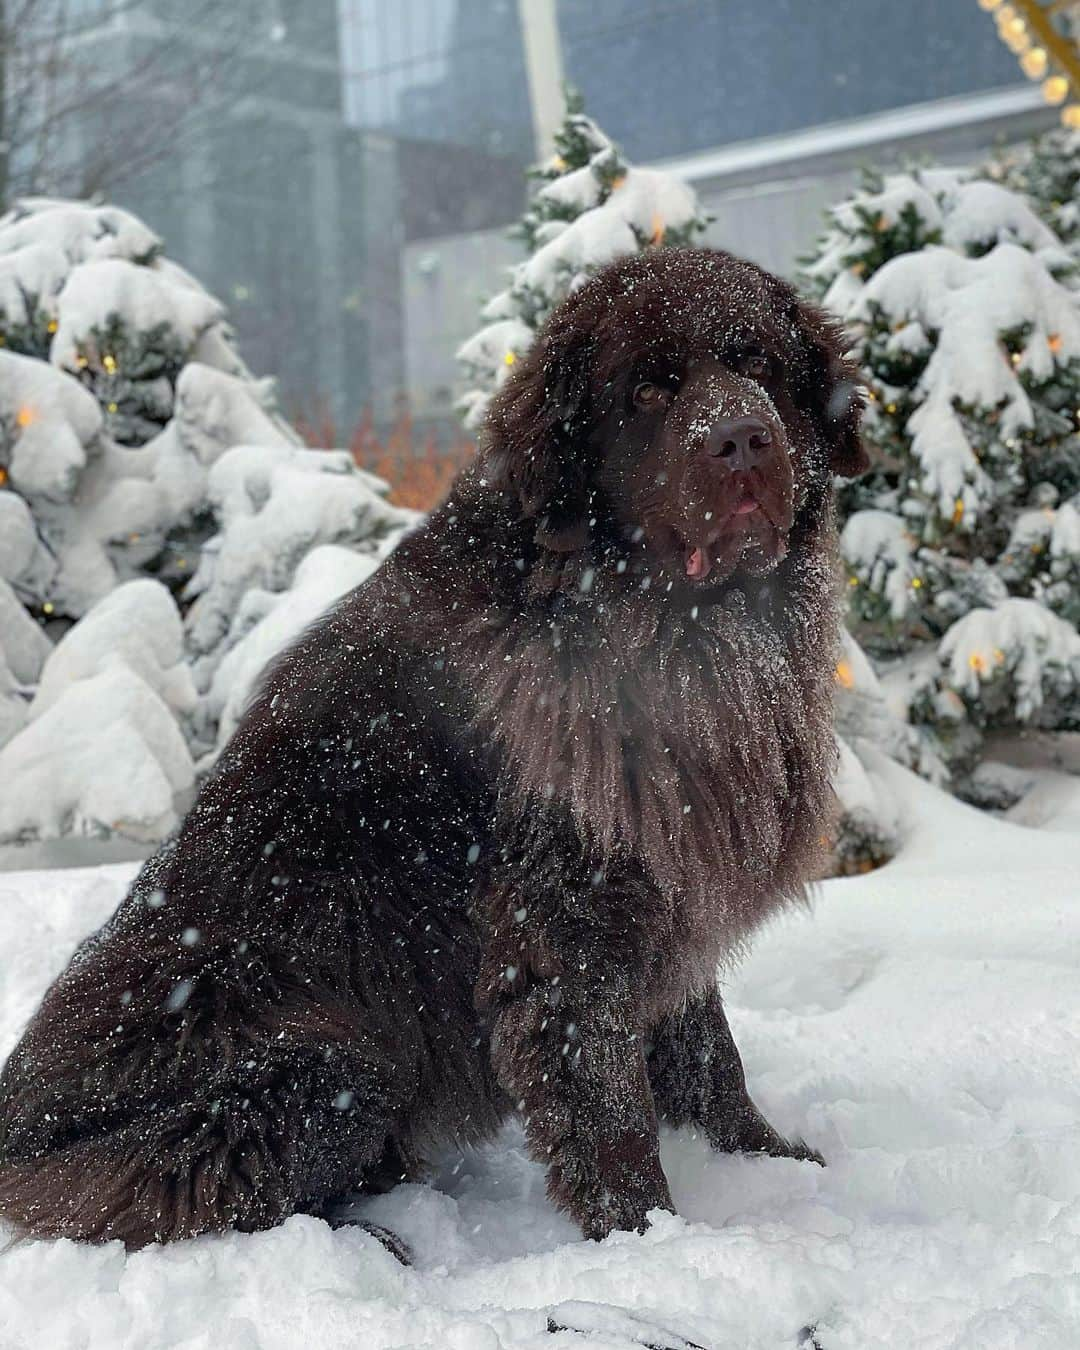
(488, 828)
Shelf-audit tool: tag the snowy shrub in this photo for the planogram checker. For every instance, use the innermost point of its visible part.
(102, 749)
(266, 622)
(963, 305)
(96, 329)
(271, 507)
(135, 447)
(107, 757)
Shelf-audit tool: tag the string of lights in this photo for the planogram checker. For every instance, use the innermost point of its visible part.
(1043, 35)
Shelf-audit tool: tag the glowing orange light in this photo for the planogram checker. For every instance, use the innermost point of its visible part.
(3, 475)
(25, 416)
(1054, 342)
(977, 663)
(509, 358)
(1055, 89)
(958, 511)
(844, 677)
(659, 229)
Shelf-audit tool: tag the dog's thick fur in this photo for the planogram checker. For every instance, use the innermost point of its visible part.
(488, 828)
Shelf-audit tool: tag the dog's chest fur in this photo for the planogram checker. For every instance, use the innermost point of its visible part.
(698, 741)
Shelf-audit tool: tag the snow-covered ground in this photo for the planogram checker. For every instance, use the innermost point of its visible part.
(922, 1029)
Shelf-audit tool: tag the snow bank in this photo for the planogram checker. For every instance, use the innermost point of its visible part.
(922, 1029)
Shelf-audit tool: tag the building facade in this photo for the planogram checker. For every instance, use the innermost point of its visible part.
(769, 109)
(349, 198)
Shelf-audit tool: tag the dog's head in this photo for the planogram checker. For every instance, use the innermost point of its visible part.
(689, 401)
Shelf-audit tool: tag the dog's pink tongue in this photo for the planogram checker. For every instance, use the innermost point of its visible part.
(698, 563)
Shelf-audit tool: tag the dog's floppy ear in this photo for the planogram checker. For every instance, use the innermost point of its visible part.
(835, 390)
(534, 441)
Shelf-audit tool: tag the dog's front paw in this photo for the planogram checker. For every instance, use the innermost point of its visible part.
(800, 1151)
(627, 1182)
(737, 1126)
(620, 1214)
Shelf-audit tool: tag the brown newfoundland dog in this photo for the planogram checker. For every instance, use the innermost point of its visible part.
(488, 829)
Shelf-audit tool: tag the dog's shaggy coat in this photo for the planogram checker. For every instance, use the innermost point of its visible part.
(487, 829)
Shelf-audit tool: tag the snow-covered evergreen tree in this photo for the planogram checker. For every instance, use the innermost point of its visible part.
(591, 206)
(964, 539)
(150, 490)
(1047, 171)
(97, 332)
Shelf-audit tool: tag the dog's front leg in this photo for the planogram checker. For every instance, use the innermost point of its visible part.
(697, 1078)
(571, 1058)
(563, 977)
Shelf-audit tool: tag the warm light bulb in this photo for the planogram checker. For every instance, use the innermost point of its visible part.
(1056, 89)
(844, 677)
(1015, 31)
(1070, 116)
(1034, 62)
(989, 4)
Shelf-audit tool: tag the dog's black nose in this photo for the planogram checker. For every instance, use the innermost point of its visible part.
(741, 442)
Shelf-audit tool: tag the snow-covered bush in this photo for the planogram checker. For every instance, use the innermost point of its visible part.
(102, 748)
(96, 329)
(266, 622)
(964, 309)
(590, 208)
(1047, 171)
(272, 506)
(134, 443)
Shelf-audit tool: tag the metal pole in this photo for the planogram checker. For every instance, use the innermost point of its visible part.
(543, 65)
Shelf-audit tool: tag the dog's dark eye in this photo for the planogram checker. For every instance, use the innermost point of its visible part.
(649, 396)
(755, 364)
